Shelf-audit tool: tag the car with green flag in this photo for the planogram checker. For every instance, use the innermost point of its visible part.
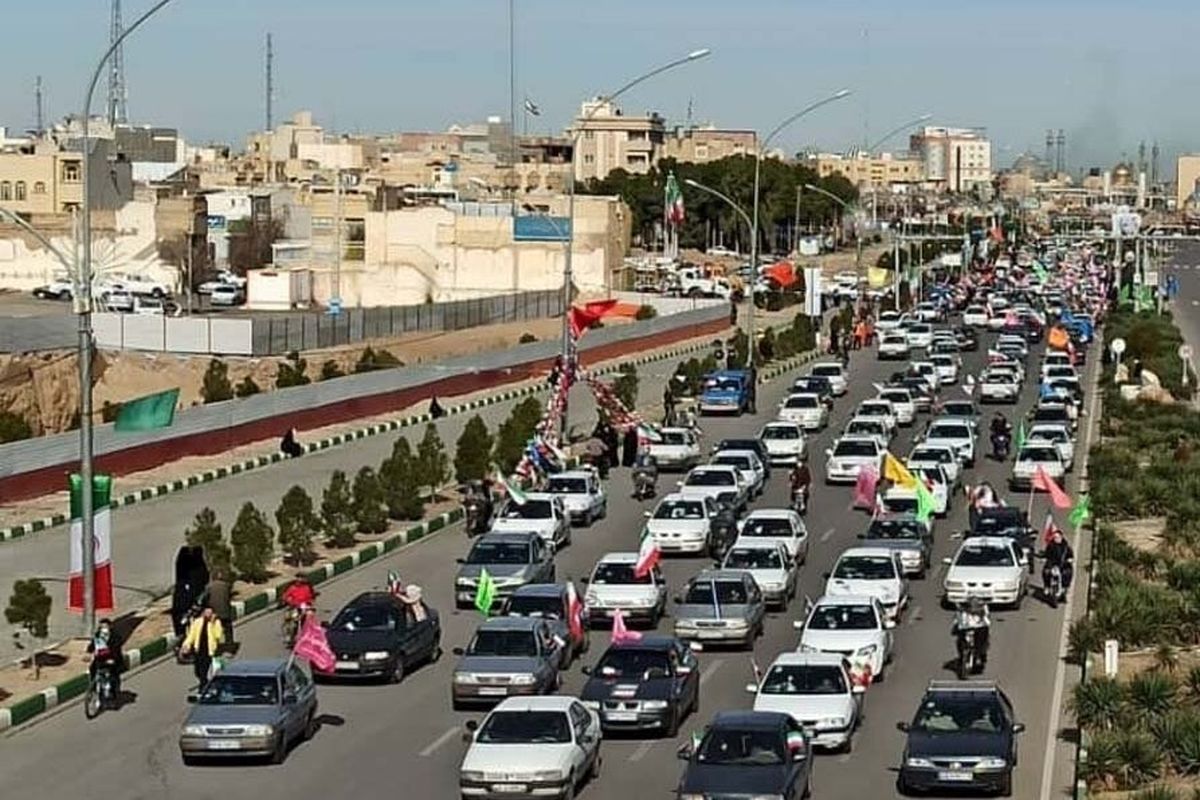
(507, 657)
(508, 560)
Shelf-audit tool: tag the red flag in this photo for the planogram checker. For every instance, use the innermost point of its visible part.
(580, 319)
(1048, 528)
(312, 645)
(621, 634)
(864, 488)
(782, 273)
(1045, 483)
(574, 612)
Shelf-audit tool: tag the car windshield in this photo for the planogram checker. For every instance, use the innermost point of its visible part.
(874, 410)
(959, 713)
(865, 568)
(781, 432)
(804, 679)
(827, 370)
(1050, 415)
(767, 526)
(727, 593)
(958, 410)
(919, 327)
(679, 509)
(856, 449)
(1039, 454)
(896, 397)
(710, 477)
(802, 401)
(723, 385)
(894, 529)
(614, 573)
(864, 428)
(931, 474)
(893, 339)
(489, 642)
(981, 556)
(935, 454)
(842, 618)
(561, 485)
(942, 361)
(634, 663)
(995, 524)
(535, 605)
(1049, 435)
(752, 748)
(485, 552)
(240, 690)
(674, 437)
(530, 509)
(364, 618)
(525, 727)
(943, 431)
(741, 462)
(753, 558)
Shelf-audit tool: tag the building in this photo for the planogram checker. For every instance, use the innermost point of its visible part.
(1187, 182)
(700, 145)
(608, 140)
(45, 177)
(153, 153)
(955, 159)
(868, 171)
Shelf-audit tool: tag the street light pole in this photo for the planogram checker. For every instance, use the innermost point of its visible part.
(83, 309)
(879, 142)
(758, 157)
(846, 207)
(603, 100)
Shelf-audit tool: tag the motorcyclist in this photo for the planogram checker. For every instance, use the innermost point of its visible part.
(1000, 425)
(973, 615)
(1059, 554)
(478, 501)
(801, 480)
(105, 651)
(645, 468)
(723, 530)
(299, 598)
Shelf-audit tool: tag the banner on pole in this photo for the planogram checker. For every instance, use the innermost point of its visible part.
(101, 544)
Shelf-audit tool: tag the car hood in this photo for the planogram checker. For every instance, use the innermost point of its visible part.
(963, 743)
(622, 593)
(706, 611)
(718, 779)
(505, 664)
(233, 715)
(706, 491)
(897, 544)
(829, 641)
(784, 445)
(626, 689)
(576, 500)
(886, 591)
(356, 642)
(676, 525)
(506, 759)
(523, 525)
(805, 707)
(496, 570)
(768, 576)
(671, 450)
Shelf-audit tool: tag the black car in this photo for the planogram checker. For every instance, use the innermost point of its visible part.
(748, 754)
(963, 736)
(819, 385)
(968, 339)
(378, 636)
(1008, 521)
(650, 685)
(756, 445)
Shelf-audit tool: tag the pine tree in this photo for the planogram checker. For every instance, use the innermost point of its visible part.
(433, 465)
(400, 479)
(297, 526)
(330, 370)
(206, 532)
(253, 544)
(216, 387)
(337, 511)
(247, 387)
(472, 451)
(369, 514)
(292, 372)
(29, 609)
(515, 433)
(626, 386)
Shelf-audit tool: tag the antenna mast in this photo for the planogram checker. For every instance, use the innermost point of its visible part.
(118, 95)
(270, 84)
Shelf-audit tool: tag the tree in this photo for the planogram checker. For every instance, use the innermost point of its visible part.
(400, 478)
(206, 532)
(433, 465)
(215, 387)
(29, 608)
(292, 372)
(372, 359)
(369, 514)
(515, 433)
(247, 387)
(253, 544)
(472, 451)
(337, 511)
(645, 312)
(527, 338)
(13, 427)
(625, 387)
(330, 370)
(297, 525)
(741, 348)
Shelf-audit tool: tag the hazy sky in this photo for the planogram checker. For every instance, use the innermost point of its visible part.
(1109, 73)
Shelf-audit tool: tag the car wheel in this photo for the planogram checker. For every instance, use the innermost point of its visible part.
(672, 729)
(397, 673)
(569, 789)
(586, 522)
(280, 751)
(310, 726)
(1006, 786)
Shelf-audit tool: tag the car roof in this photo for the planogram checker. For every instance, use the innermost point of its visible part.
(674, 429)
(963, 687)
(753, 543)
(518, 537)
(540, 590)
(770, 513)
(649, 641)
(735, 452)
(856, 438)
(987, 541)
(714, 468)
(573, 473)
(845, 600)
(762, 720)
(537, 702)
(540, 496)
(854, 552)
(373, 598)
(510, 623)
(809, 659)
(254, 666)
(719, 575)
(680, 497)
(618, 558)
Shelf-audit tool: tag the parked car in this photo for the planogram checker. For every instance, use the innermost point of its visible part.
(614, 586)
(721, 606)
(541, 512)
(375, 635)
(507, 656)
(991, 568)
(854, 627)
(511, 559)
(769, 563)
(226, 296)
(582, 495)
(647, 685)
(118, 300)
(757, 753)
(59, 288)
(815, 690)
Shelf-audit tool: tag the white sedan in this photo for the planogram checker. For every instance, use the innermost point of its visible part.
(754, 473)
(881, 410)
(919, 335)
(1057, 435)
(814, 689)
(777, 525)
(849, 455)
(806, 410)
(954, 433)
(582, 495)
(1032, 456)
(987, 567)
(676, 448)
(975, 316)
(902, 403)
(784, 442)
(771, 566)
(873, 571)
(934, 455)
(892, 346)
(836, 374)
(854, 626)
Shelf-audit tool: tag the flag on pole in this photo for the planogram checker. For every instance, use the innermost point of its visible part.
(926, 505)
(485, 593)
(1041, 480)
(511, 487)
(102, 586)
(673, 206)
(313, 645)
(864, 488)
(1019, 442)
(1048, 528)
(620, 633)
(574, 612)
(532, 107)
(896, 472)
(148, 413)
(1081, 512)
(580, 319)
(648, 555)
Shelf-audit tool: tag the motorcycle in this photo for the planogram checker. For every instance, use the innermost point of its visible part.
(1000, 446)
(101, 692)
(644, 484)
(1054, 585)
(722, 533)
(477, 513)
(800, 499)
(969, 655)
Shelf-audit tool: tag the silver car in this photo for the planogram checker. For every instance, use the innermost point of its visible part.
(769, 564)
(507, 657)
(721, 606)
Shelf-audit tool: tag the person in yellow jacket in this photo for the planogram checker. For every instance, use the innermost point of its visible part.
(204, 638)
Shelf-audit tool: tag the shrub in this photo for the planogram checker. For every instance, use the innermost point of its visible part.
(472, 451)
(1083, 638)
(646, 312)
(247, 387)
(369, 514)
(1097, 703)
(292, 372)
(109, 411)
(1178, 736)
(1151, 693)
(253, 544)
(625, 387)
(205, 532)
(527, 338)
(400, 480)
(372, 359)
(515, 432)
(215, 386)
(297, 526)
(432, 466)
(29, 609)
(337, 511)
(1139, 760)
(13, 427)
(1103, 759)
(330, 370)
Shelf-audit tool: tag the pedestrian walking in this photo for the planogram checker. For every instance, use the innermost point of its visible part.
(204, 639)
(218, 596)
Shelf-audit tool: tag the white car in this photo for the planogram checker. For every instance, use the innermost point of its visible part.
(937, 455)
(1053, 372)
(224, 278)
(975, 315)
(806, 410)
(677, 449)
(225, 295)
(849, 455)
(919, 335)
(582, 495)
(892, 346)
(1032, 456)
(784, 442)
(541, 746)
(148, 306)
(680, 524)
(776, 525)
(928, 371)
(816, 691)
(613, 586)
(869, 426)
(987, 567)
(855, 627)
(719, 482)
(903, 499)
(1055, 358)
(888, 321)
(1057, 435)
(118, 300)
(873, 571)
(954, 433)
(881, 410)
(947, 368)
(771, 566)
(754, 472)
(927, 312)
(836, 374)
(541, 513)
(999, 387)
(902, 403)
(996, 319)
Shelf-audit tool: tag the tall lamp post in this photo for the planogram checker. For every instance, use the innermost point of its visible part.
(83, 309)
(603, 100)
(758, 157)
(879, 142)
(845, 207)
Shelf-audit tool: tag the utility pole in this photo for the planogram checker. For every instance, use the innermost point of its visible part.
(337, 237)
(39, 115)
(270, 85)
(118, 96)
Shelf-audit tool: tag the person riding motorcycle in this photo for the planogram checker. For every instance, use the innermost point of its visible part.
(645, 472)
(1000, 425)
(1059, 554)
(478, 503)
(801, 480)
(1001, 434)
(299, 598)
(973, 616)
(105, 651)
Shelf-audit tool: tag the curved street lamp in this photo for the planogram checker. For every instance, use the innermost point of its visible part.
(875, 145)
(845, 207)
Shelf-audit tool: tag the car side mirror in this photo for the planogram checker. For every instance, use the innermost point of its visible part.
(947, 561)
(684, 753)
(902, 727)
(646, 514)
(193, 697)
(289, 698)
(751, 688)
(888, 624)
(458, 651)
(679, 484)
(1018, 727)
(798, 624)
(472, 726)
(460, 560)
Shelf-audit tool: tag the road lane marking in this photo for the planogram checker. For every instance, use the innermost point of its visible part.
(825, 536)
(438, 742)
(642, 750)
(710, 669)
(915, 615)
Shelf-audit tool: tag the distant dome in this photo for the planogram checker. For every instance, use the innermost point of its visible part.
(1123, 173)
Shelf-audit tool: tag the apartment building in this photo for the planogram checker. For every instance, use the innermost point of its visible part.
(702, 144)
(867, 171)
(46, 177)
(608, 139)
(955, 159)
(1187, 182)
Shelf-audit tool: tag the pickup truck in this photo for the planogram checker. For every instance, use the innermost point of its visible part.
(56, 289)
(726, 391)
(693, 283)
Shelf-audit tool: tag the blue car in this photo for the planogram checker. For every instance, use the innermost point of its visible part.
(726, 392)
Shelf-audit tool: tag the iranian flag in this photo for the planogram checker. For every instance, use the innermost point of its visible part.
(648, 555)
(673, 204)
(101, 544)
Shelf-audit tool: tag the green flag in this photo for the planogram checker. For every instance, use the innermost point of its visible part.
(1081, 512)
(1020, 441)
(925, 502)
(1126, 295)
(147, 413)
(485, 593)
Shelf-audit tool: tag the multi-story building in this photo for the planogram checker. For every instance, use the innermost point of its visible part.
(868, 171)
(608, 140)
(955, 159)
(1187, 182)
(46, 177)
(700, 145)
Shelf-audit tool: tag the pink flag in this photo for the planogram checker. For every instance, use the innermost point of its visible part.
(1044, 482)
(864, 488)
(311, 644)
(621, 634)
(574, 612)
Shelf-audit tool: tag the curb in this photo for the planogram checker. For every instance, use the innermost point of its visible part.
(208, 476)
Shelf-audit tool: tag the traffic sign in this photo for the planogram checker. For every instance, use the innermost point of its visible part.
(1117, 346)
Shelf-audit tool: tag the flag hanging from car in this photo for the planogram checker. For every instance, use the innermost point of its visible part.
(485, 593)
(648, 555)
(102, 575)
(313, 645)
(620, 633)
(1043, 481)
(896, 472)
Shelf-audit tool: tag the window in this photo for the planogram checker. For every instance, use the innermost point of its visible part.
(20, 195)
(589, 159)
(637, 136)
(701, 151)
(71, 172)
(5, 190)
(39, 188)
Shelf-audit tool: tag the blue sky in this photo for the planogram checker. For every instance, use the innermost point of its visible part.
(1108, 73)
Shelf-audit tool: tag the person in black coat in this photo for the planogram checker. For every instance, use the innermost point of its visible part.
(191, 579)
(629, 446)
(612, 441)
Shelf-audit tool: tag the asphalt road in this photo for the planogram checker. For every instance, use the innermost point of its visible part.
(404, 739)
(1184, 264)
